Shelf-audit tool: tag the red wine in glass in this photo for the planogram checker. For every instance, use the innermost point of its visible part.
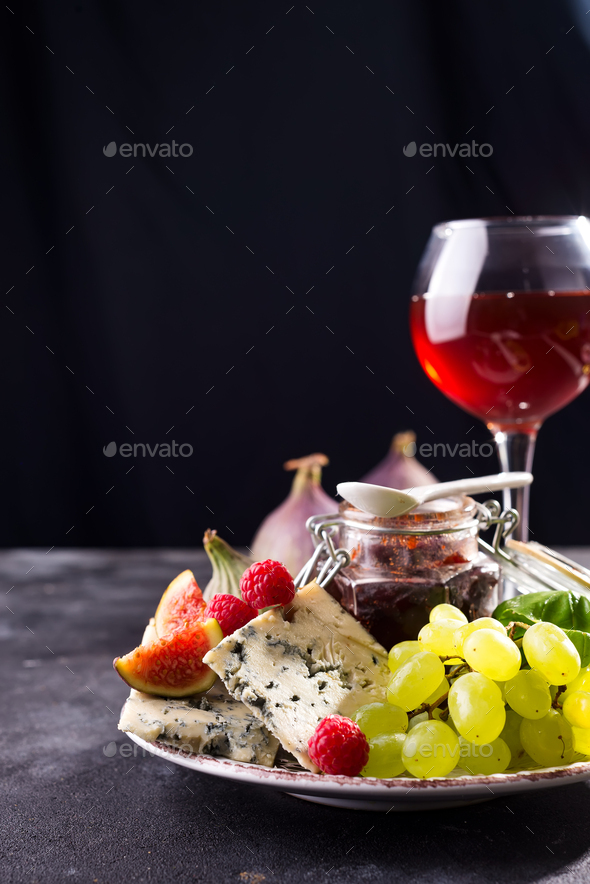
(500, 328)
(521, 356)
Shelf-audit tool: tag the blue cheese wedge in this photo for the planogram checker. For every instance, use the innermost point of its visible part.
(291, 668)
(206, 724)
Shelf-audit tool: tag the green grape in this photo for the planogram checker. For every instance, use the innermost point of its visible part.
(492, 654)
(548, 649)
(581, 737)
(581, 682)
(475, 702)
(447, 612)
(441, 690)
(402, 652)
(438, 637)
(417, 719)
(528, 694)
(548, 740)
(502, 689)
(481, 623)
(415, 680)
(511, 736)
(380, 718)
(576, 708)
(448, 720)
(487, 759)
(431, 750)
(526, 763)
(385, 756)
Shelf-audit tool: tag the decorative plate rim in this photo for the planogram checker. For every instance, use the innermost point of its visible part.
(254, 772)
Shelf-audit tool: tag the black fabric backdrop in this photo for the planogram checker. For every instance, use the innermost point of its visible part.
(216, 299)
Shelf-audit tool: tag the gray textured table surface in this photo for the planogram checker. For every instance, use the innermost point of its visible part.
(74, 813)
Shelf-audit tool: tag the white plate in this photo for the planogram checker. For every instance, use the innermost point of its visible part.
(367, 793)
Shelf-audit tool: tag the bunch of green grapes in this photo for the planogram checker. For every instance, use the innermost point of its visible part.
(384, 726)
(576, 710)
(463, 696)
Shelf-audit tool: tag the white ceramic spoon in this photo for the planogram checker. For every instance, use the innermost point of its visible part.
(380, 501)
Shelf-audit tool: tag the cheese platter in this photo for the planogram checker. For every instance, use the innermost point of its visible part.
(365, 685)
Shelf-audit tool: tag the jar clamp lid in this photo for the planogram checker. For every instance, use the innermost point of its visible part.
(531, 566)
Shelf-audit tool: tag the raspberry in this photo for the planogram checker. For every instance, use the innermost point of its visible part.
(230, 612)
(338, 746)
(267, 583)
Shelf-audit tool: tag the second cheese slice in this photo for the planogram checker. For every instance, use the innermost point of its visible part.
(206, 724)
(293, 668)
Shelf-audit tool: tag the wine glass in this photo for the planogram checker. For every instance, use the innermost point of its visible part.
(500, 320)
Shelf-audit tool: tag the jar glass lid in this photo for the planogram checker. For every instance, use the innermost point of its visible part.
(533, 567)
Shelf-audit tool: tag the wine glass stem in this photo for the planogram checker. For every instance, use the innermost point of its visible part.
(515, 452)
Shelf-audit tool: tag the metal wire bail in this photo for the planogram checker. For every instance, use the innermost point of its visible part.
(491, 513)
(323, 529)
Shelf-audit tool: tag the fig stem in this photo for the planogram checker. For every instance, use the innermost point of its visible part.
(311, 460)
(309, 469)
(401, 440)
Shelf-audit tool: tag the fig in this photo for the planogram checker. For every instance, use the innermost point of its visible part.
(181, 603)
(228, 566)
(282, 536)
(172, 666)
(399, 468)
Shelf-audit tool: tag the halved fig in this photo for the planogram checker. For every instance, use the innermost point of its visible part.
(181, 603)
(172, 666)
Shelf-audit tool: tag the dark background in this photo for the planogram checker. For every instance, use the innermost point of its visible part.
(132, 308)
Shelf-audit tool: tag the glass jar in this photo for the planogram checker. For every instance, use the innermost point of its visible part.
(402, 567)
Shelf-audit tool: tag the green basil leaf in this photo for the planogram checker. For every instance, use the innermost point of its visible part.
(564, 608)
(582, 642)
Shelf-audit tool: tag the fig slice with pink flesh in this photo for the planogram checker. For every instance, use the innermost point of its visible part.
(173, 666)
(181, 603)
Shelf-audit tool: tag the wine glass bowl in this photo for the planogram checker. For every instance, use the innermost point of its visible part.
(500, 320)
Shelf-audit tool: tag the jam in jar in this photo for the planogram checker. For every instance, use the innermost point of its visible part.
(402, 567)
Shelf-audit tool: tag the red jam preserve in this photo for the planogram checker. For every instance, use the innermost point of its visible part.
(402, 567)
